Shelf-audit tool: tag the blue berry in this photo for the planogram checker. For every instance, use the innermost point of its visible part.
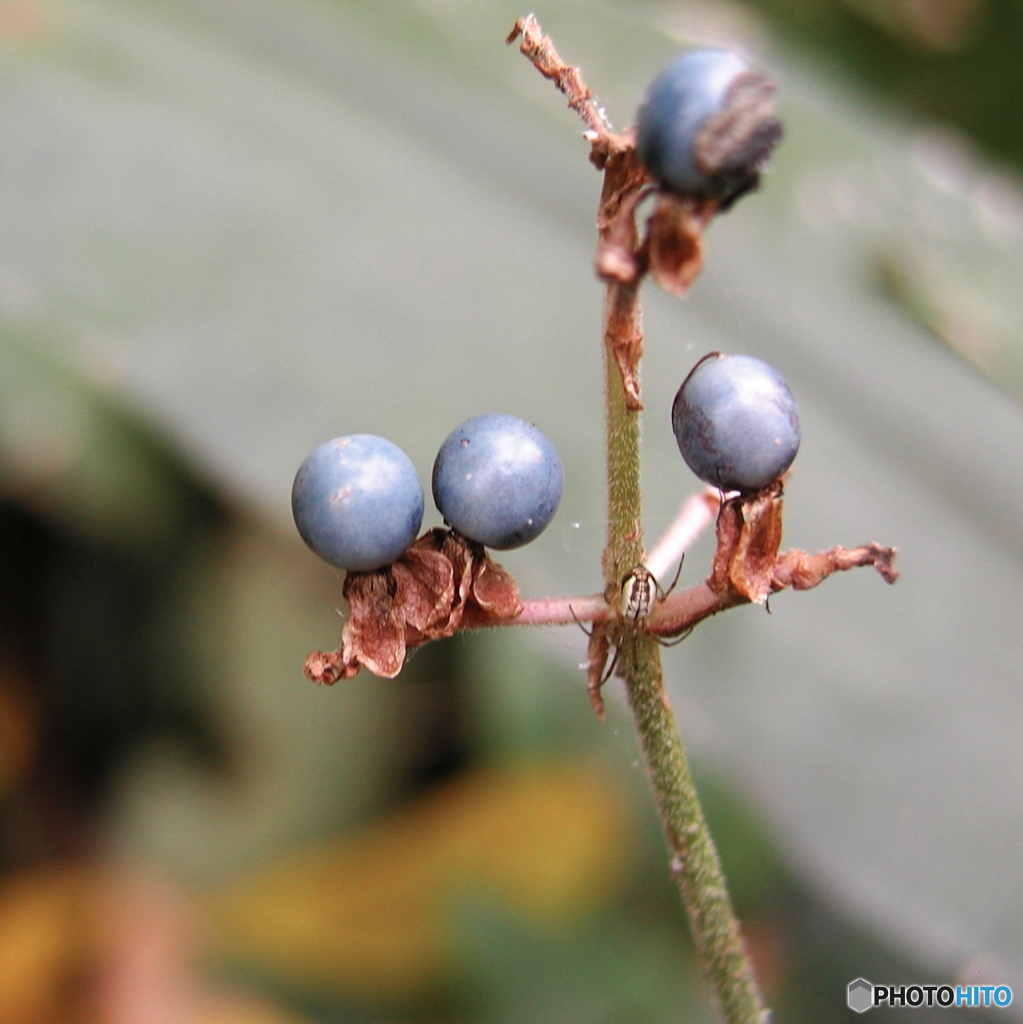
(735, 422)
(707, 126)
(497, 480)
(357, 502)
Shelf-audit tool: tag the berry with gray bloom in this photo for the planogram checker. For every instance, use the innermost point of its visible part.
(497, 480)
(358, 502)
(707, 126)
(735, 422)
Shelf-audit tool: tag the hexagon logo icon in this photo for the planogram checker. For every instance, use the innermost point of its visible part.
(860, 995)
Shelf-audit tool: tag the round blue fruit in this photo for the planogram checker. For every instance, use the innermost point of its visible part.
(497, 480)
(707, 126)
(735, 422)
(357, 502)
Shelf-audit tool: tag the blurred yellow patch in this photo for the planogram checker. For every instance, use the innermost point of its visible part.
(98, 944)
(376, 915)
(47, 931)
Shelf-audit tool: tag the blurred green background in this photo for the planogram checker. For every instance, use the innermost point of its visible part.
(232, 230)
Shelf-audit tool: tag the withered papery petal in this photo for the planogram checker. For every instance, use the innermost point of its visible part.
(374, 634)
(729, 529)
(495, 591)
(463, 554)
(752, 568)
(440, 584)
(596, 658)
(424, 589)
(675, 242)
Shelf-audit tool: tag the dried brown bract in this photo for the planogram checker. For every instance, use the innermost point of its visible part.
(597, 651)
(748, 567)
(749, 536)
(441, 584)
(733, 145)
(674, 241)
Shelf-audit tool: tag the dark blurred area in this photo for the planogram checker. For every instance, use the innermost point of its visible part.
(86, 677)
(955, 61)
(190, 832)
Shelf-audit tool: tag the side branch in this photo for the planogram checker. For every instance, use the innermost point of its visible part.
(558, 611)
(799, 570)
(698, 511)
(684, 609)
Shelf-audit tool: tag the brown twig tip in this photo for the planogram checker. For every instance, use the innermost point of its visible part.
(885, 563)
(324, 667)
(883, 560)
(803, 571)
(526, 27)
(539, 50)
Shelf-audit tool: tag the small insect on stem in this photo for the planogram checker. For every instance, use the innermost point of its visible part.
(637, 595)
(640, 591)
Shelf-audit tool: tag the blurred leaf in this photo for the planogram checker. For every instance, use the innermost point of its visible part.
(957, 303)
(374, 915)
(302, 760)
(81, 458)
(79, 945)
(613, 972)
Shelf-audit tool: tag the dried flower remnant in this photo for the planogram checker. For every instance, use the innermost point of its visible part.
(674, 241)
(441, 584)
(749, 537)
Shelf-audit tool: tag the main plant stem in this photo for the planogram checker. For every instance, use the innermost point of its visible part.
(695, 865)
